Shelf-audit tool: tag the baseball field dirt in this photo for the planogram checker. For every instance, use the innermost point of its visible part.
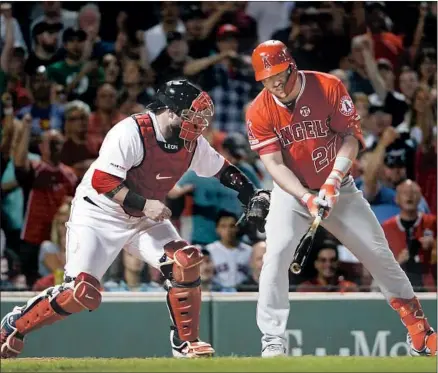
(226, 364)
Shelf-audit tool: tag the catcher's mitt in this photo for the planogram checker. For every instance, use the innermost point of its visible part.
(257, 210)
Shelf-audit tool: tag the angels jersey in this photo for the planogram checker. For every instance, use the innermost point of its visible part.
(136, 151)
(310, 136)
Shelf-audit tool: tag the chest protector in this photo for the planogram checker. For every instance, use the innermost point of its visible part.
(162, 166)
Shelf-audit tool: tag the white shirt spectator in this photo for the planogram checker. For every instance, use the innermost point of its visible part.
(18, 36)
(270, 16)
(155, 39)
(231, 265)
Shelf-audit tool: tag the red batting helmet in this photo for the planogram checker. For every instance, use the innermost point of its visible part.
(270, 58)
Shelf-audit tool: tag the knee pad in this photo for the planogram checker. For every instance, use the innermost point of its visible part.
(185, 260)
(58, 302)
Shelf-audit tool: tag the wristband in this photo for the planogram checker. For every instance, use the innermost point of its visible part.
(342, 166)
(134, 201)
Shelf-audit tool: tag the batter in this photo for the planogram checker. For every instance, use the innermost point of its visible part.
(307, 132)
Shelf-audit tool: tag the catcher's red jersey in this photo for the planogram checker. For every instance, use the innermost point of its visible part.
(310, 136)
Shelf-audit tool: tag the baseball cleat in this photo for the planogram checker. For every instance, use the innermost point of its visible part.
(430, 345)
(274, 351)
(11, 341)
(189, 350)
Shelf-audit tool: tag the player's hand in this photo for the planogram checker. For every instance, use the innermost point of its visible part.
(258, 209)
(314, 203)
(156, 210)
(329, 191)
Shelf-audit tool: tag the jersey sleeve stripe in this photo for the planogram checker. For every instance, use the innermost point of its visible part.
(264, 143)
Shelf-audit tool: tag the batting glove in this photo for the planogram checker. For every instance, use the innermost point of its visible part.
(313, 204)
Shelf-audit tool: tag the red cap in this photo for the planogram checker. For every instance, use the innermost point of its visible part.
(226, 29)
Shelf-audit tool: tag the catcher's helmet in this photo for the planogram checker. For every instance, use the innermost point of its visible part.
(191, 104)
(270, 58)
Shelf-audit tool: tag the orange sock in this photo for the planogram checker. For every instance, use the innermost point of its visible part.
(412, 316)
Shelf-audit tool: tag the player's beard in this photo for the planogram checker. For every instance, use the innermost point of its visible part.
(175, 131)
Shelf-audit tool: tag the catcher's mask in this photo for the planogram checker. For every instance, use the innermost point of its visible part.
(191, 104)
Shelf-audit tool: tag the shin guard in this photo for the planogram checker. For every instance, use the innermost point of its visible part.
(59, 302)
(412, 316)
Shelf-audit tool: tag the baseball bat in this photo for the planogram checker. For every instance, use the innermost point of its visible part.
(305, 245)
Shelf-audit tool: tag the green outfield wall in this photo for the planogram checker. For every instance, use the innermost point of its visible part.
(137, 325)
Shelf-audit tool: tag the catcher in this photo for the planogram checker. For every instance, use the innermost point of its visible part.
(119, 204)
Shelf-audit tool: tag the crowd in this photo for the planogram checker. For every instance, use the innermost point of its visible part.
(70, 71)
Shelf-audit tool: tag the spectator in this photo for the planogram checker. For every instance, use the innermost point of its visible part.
(134, 96)
(79, 78)
(357, 76)
(8, 22)
(235, 149)
(426, 67)
(51, 258)
(226, 77)
(256, 263)
(12, 206)
(44, 114)
(342, 76)
(112, 70)
(89, 21)
(362, 105)
(155, 37)
(382, 77)
(421, 120)
(385, 170)
(231, 257)
(327, 277)
(53, 13)
(45, 52)
(75, 152)
(426, 169)
(133, 276)
(10, 277)
(103, 118)
(45, 184)
(170, 63)
(208, 282)
(408, 82)
(270, 16)
(386, 44)
(412, 235)
(378, 120)
(199, 45)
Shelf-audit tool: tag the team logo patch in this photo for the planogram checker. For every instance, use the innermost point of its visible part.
(346, 106)
(251, 138)
(265, 60)
(305, 111)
